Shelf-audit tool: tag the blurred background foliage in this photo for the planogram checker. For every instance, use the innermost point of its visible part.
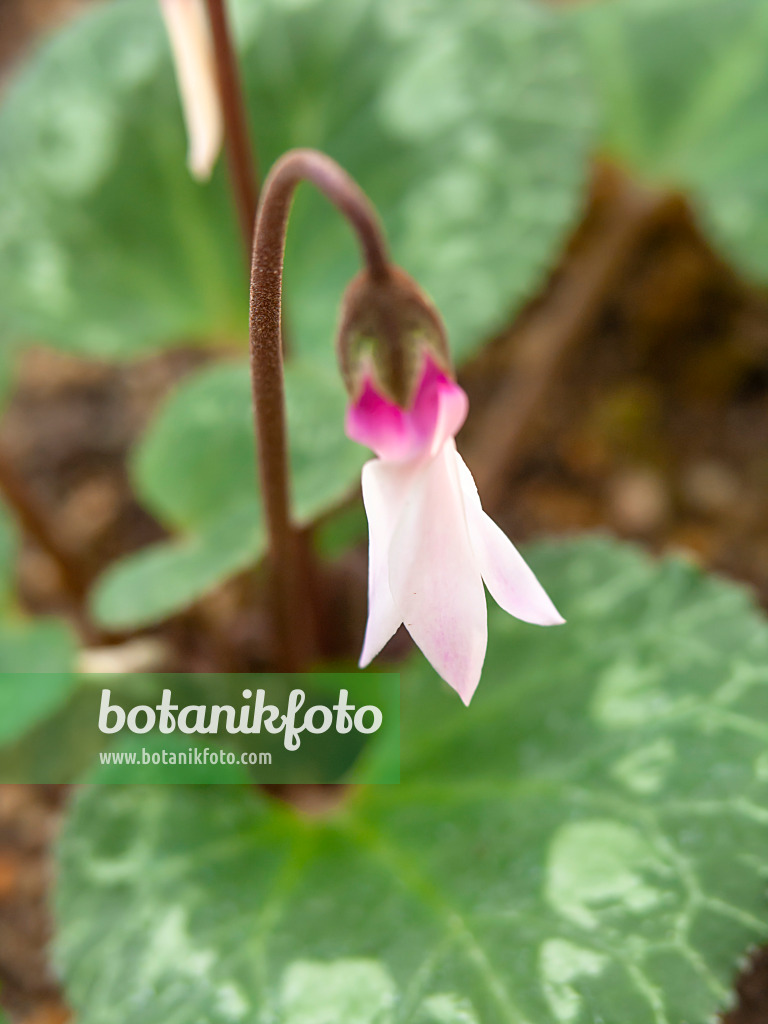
(682, 89)
(109, 249)
(582, 189)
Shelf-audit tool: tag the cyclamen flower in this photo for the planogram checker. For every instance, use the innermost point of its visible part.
(431, 544)
(189, 34)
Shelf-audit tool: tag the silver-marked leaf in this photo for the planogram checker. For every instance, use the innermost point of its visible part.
(585, 843)
(684, 88)
(107, 247)
(469, 129)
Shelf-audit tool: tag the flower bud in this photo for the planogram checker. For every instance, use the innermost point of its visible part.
(388, 327)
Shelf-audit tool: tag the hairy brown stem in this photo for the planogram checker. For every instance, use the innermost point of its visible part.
(291, 575)
(241, 157)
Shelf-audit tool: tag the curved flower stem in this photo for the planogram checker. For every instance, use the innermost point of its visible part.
(295, 619)
(241, 157)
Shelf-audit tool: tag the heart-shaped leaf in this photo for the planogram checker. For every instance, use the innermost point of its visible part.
(196, 471)
(9, 545)
(37, 677)
(164, 578)
(470, 130)
(36, 655)
(586, 842)
(684, 88)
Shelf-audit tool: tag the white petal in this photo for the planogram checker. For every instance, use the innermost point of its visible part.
(434, 579)
(453, 406)
(187, 24)
(385, 487)
(509, 579)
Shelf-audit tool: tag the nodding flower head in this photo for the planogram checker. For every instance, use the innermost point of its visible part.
(387, 327)
(437, 411)
(431, 544)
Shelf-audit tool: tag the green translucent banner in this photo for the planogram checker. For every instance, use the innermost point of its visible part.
(200, 729)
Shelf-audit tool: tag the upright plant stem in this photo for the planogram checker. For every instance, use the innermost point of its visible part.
(294, 617)
(241, 158)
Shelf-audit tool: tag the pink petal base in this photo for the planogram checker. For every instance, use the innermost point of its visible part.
(398, 435)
